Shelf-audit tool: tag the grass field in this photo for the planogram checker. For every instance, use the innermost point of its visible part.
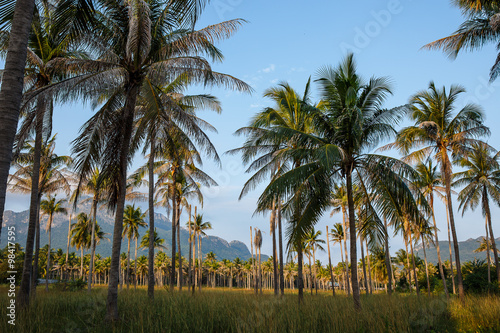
(241, 311)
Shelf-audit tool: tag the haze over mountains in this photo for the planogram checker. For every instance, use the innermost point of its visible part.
(222, 248)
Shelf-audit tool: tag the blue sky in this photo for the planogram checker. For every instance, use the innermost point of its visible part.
(289, 41)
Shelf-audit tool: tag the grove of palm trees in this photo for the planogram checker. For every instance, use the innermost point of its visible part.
(368, 173)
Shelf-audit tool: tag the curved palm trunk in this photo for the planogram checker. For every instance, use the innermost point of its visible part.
(492, 237)
(10, 103)
(438, 250)
(426, 266)
(344, 225)
(330, 261)
(282, 280)
(488, 259)
(48, 253)
(151, 209)
(447, 174)
(387, 258)
(354, 254)
(92, 243)
(33, 224)
(114, 272)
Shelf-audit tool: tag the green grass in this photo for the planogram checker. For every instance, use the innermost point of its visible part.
(241, 311)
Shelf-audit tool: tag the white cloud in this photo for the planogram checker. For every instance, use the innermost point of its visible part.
(269, 69)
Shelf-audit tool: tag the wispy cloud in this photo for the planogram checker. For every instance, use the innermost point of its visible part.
(268, 69)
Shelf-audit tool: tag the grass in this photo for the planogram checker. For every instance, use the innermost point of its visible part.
(241, 311)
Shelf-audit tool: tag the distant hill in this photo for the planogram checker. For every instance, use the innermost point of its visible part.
(466, 250)
(222, 248)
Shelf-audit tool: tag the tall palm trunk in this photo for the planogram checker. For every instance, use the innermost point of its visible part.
(300, 279)
(114, 272)
(370, 283)
(10, 103)
(81, 262)
(364, 265)
(315, 275)
(67, 246)
(33, 224)
(93, 218)
(414, 267)
(447, 176)
(275, 252)
(426, 266)
(174, 220)
(344, 225)
(405, 236)
(492, 237)
(151, 210)
(330, 261)
(34, 280)
(280, 240)
(344, 282)
(452, 273)
(200, 265)
(190, 275)
(253, 263)
(135, 263)
(178, 226)
(352, 230)
(48, 253)
(488, 258)
(127, 275)
(260, 272)
(440, 262)
(310, 284)
(387, 258)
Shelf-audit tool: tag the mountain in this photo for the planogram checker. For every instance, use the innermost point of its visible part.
(466, 250)
(222, 248)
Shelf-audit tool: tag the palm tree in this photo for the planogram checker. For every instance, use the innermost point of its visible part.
(428, 181)
(480, 27)
(437, 131)
(482, 182)
(338, 236)
(330, 267)
(270, 135)
(53, 177)
(258, 244)
(339, 203)
(80, 236)
(153, 47)
(313, 243)
(199, 227)
(50, 207)
(133, 218)
(157, 241)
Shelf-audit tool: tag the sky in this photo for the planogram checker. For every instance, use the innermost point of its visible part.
(289, 41)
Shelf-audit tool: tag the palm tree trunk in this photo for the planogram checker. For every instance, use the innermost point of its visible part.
(364, 265)
(10, 102)
(67, 246)
(127, 276)
(260, 273)
(344, 225)
(135, 263)
(488, 259)
(200, 264)
(253, 263)
(449, 249)
(414, 267)
(440, 262)
(275, 252)
(178, 226)
(405, 236)
(190, 275)
(48, 253)
(426, 266)
(370, 283)
(93, 218)
(280, 240)
(354, 254)
(330, 261)
(81, 262)
(174, 220)
(315, 275)
(33, 223)
(151, 210)
(128, 117)
(447, 173)
(300, 279)
(387, 258)
(492, 237)
(34, 280)
(344, 282)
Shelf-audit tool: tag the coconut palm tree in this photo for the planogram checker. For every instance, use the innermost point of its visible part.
(258, 244)
(428, 180)
(80, 237)
(157, 242)
(338, 236)
(199, 226)
(155, 45)
(481, 179)
(133, 218)
(481, 27)
(312, 244)
(49, 207)
(439, 132)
